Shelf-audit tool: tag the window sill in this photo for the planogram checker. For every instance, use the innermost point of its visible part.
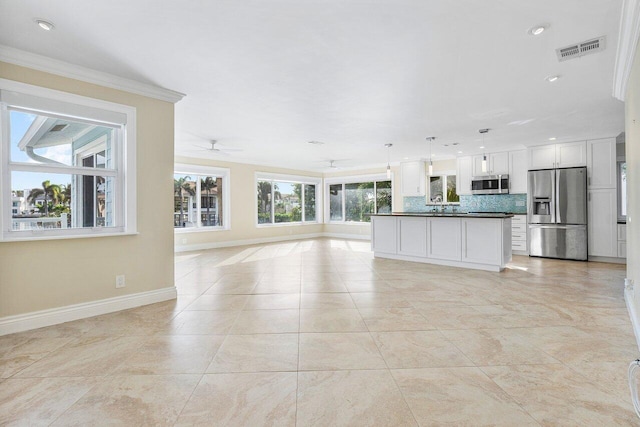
(188, 230)
(74, 236)
(286, 224)
(349, 223)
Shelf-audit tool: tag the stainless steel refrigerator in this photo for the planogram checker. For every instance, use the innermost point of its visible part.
(557, 213)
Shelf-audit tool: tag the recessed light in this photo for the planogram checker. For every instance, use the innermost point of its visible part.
(537, 30)
(405, 158)
(316, 142)
(481, 147)
(552, 79)
(45, 25)
(553, 138)
(460, 152)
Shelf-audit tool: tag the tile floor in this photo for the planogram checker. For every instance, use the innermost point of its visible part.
(318, 332)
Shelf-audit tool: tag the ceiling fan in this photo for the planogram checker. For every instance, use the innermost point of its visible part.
(216, 148)
(332, 163)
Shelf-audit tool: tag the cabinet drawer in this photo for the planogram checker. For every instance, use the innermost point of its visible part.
(520, 228)
(622, 232)
(622, 249)
(518, 245)
(519, 220)
(518, 235)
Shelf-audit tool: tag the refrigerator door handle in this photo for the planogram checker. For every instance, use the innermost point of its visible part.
(555, 227)
(554, 197)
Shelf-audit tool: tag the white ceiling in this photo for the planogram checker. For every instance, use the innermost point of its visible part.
(268, 76)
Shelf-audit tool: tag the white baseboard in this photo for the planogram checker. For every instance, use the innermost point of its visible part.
(347, 236)
(55, 316)
(608, 259)
(471, 265)
(246, 242)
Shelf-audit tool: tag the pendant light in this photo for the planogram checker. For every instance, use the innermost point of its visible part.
(388, 159)
(484, 156)
(430, 139)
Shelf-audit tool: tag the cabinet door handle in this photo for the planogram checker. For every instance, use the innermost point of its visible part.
(589, 196)
(589, 181)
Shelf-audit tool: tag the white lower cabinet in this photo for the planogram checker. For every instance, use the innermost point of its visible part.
(519, 234)
(602, 212)
(443, 238)
(412, 236)
(482, 241)
(383, 234)
(622, 240)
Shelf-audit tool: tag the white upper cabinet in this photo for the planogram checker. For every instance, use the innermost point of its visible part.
(497, 164)
(542, 157)
(571, 154)
(412, 178)
(601, 163)
(518, 172)
(558, 155)
(463, 175)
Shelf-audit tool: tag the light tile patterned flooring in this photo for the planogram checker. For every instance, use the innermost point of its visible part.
(318, 332)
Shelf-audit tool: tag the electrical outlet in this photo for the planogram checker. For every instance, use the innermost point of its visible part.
(120, 283)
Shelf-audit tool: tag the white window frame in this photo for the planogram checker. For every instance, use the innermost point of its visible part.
(444, 175)
(355, 179)
(293, 179)
(74, 107)
(621, 217)
(200, 171)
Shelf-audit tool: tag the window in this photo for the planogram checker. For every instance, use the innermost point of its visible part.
(622, 191)
(71, 160)
(355, 201)
(285, 199)
(442, 189)
(200, 198)
(335, 202)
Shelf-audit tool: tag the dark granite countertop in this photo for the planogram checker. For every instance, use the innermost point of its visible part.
(451, 214)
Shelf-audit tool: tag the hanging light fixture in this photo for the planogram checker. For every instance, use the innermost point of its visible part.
(430, 139)
(388, 159)
(484, 156)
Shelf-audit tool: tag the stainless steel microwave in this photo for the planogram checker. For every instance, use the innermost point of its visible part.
(490, 184)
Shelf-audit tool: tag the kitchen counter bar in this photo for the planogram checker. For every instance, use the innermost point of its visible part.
(451, 214)
(479, 240)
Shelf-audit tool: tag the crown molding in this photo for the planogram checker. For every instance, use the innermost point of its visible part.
(627, 45)
(54, 66)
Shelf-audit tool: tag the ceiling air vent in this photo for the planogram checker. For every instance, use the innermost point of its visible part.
(580, 49)
(59, 127)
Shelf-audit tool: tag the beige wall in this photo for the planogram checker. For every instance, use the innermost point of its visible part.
(632, 131)
(54, 273)
(243, 208)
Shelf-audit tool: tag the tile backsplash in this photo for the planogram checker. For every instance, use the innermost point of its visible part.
(514, 203)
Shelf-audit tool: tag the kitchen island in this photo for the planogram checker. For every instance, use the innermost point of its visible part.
(480, 240)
